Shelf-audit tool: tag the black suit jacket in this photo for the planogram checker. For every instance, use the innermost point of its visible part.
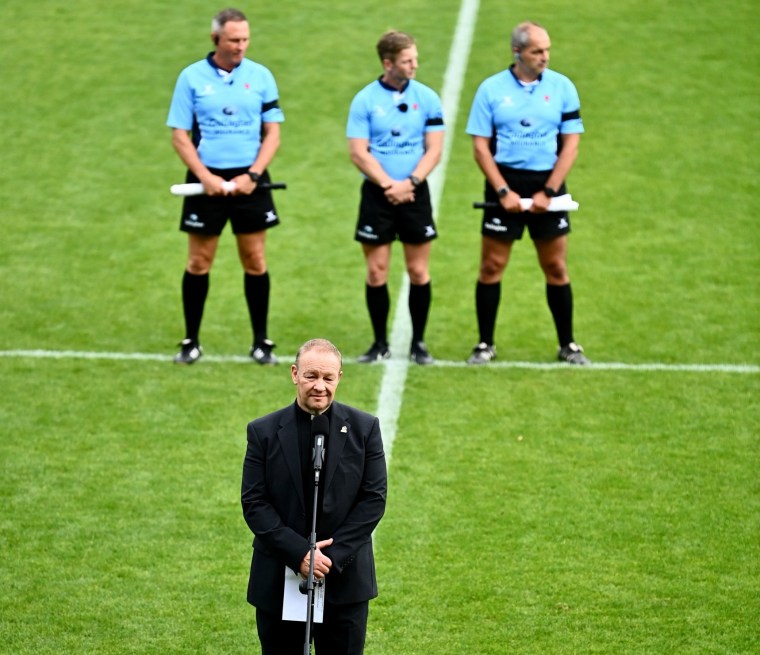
(353, 484)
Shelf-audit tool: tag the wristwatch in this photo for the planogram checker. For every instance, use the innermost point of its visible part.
(503, 191)
(415, 181)
(551, 193)
(254, 176)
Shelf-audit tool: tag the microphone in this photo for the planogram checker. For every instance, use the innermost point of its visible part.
(403, 107)
(303, 586)
(320, 428)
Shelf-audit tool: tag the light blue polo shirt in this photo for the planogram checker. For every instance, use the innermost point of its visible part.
(224, 111)
(525, 120)
(395, 123)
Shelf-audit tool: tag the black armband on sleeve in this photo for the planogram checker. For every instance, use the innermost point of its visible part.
(571, 115)
(265, 107)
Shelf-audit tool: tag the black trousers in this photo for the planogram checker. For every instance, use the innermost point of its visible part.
(342, 632)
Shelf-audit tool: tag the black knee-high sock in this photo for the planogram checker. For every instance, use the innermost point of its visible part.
(420, 296)
(560, 300)
(194, 292)
(257, 296)
(487, 297)
(378, 305)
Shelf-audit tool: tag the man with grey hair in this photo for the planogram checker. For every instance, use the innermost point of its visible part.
(525, 124)
(278, 494)
(225, 119)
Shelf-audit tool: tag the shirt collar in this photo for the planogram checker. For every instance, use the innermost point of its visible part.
(512, 70)
(303, 414)
(212, 63)
(388, 87)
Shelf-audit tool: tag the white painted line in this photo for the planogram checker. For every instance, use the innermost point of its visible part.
(394, 375)
(79, 354)
(612, 366)
(392, 364)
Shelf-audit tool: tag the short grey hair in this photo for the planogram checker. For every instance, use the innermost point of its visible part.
(225, 16)
(521, 34)
(319, 344)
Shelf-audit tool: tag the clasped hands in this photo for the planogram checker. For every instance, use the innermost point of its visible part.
(238, 186)
(399, 192)
(322, 563)
(511, 202)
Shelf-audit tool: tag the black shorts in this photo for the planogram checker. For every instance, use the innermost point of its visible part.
(209, 214)
(380, 222)
(500, 224)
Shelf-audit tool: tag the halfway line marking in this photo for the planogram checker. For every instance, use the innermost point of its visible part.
(394, 375)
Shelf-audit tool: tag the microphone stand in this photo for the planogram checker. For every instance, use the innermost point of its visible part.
(310, 582)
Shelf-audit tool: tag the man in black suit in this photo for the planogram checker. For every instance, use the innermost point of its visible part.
(277, 497)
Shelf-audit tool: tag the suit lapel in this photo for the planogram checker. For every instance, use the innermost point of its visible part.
(288, 436)
(339, 431)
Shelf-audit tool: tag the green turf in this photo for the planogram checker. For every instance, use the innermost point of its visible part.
(530, 511)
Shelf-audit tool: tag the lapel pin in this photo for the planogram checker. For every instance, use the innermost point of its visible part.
(344, 429)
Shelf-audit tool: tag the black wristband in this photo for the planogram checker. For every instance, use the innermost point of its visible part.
(254, 176)
(551, 193)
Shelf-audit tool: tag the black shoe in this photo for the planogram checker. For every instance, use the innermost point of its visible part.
(572, 353)
(262, 352)
(482, 354)
(190, 352)
(376, 352)
(419, 353)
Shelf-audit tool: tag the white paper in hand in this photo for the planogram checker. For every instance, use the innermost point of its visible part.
(563, 203)
(196, 188)
(294, 603)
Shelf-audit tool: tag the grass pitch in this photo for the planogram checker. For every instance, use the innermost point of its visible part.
(551, 511)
